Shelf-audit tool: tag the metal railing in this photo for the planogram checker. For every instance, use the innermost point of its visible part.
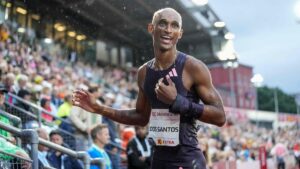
(39, 109)
(12, 161)
(12, 119)
(33, 139)
(37, 116)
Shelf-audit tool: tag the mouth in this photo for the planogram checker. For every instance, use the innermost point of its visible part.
(165, 39)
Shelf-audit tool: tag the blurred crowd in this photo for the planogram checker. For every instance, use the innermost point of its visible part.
(33, 74)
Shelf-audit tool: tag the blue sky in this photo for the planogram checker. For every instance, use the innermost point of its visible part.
(267, 37)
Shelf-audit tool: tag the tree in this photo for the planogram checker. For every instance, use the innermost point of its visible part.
(266, 100)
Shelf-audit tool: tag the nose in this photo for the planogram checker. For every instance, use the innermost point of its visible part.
(168, 28)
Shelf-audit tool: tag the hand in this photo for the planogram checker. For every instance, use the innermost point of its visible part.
(83, 99)
(166, 93)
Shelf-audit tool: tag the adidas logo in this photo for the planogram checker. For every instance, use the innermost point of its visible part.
(172, 73)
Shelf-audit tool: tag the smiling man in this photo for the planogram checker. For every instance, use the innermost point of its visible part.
(171, 86)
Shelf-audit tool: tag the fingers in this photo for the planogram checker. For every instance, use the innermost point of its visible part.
(160, 93)
(78, 96)
(169, 80)
(158, 84)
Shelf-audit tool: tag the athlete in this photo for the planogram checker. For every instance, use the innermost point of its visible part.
(175, 90)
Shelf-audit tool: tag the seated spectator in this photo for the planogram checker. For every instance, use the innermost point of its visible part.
(26, 96)
(5, 145)
(45, 104)
(2, 107)
(139, 150)
(8, 83)
(59, 160)
(43, 150)
(100, 136)
(10, 148)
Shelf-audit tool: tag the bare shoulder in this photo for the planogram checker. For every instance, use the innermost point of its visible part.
(196, 68)
(141, 75)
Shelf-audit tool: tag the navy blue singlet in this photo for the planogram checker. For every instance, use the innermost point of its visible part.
(186, 154)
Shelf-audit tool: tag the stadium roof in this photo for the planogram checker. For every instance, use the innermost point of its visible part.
(125, 23)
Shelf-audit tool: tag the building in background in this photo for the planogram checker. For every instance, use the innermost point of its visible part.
(242, 89)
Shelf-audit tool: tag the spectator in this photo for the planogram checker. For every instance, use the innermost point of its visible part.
(21, 84)
(4, 32)
(43, 150)
(8, 83)
(26, 96)
(279, 151)
(59, 160)
(5, 145)
(45, 104)
(100, 137)
(139, 150)
(2, 107)
(64, 112)
(65, 109)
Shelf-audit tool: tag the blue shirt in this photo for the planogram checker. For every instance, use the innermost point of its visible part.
(97, 152)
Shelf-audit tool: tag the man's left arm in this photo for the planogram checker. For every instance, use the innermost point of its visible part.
(213, 110)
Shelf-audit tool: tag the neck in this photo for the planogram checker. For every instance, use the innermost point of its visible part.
(163, 59)
(100, 145)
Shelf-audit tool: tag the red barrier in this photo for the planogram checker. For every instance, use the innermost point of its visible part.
(263, 157)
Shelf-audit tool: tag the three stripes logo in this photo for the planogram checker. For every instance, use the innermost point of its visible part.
(172, 73)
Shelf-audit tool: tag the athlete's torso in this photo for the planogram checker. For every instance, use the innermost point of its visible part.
(188, 130)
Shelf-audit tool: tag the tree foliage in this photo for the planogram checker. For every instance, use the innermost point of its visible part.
(266, 100)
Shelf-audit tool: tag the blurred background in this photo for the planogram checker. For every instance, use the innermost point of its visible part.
(49, 48)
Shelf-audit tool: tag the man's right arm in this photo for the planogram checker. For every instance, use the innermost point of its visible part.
(138, 116)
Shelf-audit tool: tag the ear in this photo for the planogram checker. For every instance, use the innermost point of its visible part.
(150, 28)
(180, 34)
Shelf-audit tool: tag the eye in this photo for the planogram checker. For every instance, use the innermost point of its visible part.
(162, 24)
(175, 25)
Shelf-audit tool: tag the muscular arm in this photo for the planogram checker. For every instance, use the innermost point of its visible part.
(213, 106)
(139, 116)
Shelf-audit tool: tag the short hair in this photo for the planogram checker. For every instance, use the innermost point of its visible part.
(157, 13)
(55, 132)
(96, 129)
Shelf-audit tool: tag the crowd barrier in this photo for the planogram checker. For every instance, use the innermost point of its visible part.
(12, 161)
(36, 115)
(31, 137)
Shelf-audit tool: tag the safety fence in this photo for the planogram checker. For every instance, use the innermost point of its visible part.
(13, 161)
(34, 119)
(30, 137)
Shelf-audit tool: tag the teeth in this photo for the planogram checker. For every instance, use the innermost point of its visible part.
(166, 37)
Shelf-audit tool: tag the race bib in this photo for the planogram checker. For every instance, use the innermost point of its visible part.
(164, 127)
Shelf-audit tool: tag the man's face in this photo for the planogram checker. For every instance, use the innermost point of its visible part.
(2, 98)
(141, 132)
(43, 134)
(103, 136)
(57, 139)
(166, 31)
